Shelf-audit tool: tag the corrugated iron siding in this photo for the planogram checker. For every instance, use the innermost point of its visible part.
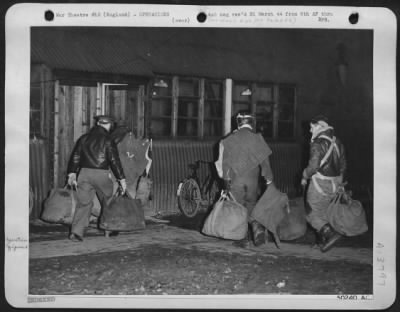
(171, 159)
(38, 174)
(170, 166)
(286, 166)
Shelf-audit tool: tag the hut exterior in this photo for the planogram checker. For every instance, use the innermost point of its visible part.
(181, 88)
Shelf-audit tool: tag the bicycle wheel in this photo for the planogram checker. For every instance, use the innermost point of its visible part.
(189, 197)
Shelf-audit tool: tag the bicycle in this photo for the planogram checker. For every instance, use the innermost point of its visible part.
(194, 196)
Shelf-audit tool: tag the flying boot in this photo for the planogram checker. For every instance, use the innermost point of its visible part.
(328, 237)
(258, 233)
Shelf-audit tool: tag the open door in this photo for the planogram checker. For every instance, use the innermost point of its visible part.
(125, 103)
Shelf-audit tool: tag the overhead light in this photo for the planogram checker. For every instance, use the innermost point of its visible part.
(246, 92)
(160, 84)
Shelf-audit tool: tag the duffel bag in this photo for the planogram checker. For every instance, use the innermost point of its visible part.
(122, 213)
(294, 223)
(270, 209)
(346, 215)
(60, 206)
(144, 189)
(227, 219)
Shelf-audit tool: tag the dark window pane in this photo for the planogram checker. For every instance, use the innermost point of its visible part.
(161, 107)
(286, 103)
(286, 113)
(161, 127)
(213, 90)
(213, 109)
(265, 128)
(264, 111)
(285, 129)
(264, 94)
(188, 107)
(188, 87)
(286, 95)
(187, 128)
(213, 127)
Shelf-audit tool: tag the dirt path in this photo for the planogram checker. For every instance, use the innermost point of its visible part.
(165, 236)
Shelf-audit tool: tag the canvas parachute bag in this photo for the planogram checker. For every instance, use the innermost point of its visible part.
(143, 190)
(227, 219)
(275, 214)
(60, 206)
(294, 223)
(346, 215)
(122, 213)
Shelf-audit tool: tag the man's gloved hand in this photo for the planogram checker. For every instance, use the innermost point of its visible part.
(72, 179)
(267, 181)
(122, 183)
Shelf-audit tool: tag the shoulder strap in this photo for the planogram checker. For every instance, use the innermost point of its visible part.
(329, 152)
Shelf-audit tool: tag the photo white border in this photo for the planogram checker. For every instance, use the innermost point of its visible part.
(21, 17)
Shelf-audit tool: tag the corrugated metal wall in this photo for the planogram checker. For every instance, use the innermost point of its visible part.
(171, 159)
(38, 174)
(170, 166)
(286, 166)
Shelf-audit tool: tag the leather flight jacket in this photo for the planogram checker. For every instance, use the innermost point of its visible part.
(96, 150)
(335, 165)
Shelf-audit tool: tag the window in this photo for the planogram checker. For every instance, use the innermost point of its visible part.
(186, 107)
(213, 108)
(265, 110)
(161, 107)
(274, 106)
(241, 98)
(287, 98)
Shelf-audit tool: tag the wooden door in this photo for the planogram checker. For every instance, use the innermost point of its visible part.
(125, 104)
(75, 109)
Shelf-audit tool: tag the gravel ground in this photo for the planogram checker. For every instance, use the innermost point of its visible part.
(174, 271)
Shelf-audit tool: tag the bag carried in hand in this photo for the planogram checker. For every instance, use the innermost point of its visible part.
(294, 224)
(270, 209)
(144, 189)
(227, 219)
(122, 213)
(346, 215)
(60, 206)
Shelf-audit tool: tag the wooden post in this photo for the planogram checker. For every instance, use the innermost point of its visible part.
(93, 105)
(200, 118)
(140, 112)
(77, 104)
(227, 105)
(253, 99)
(275, 114)
(175, 94)
(56, 131)
(295, 112)
(99, 106)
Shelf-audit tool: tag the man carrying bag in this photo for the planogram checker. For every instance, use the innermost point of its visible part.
(243, 157)
(94, 154)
